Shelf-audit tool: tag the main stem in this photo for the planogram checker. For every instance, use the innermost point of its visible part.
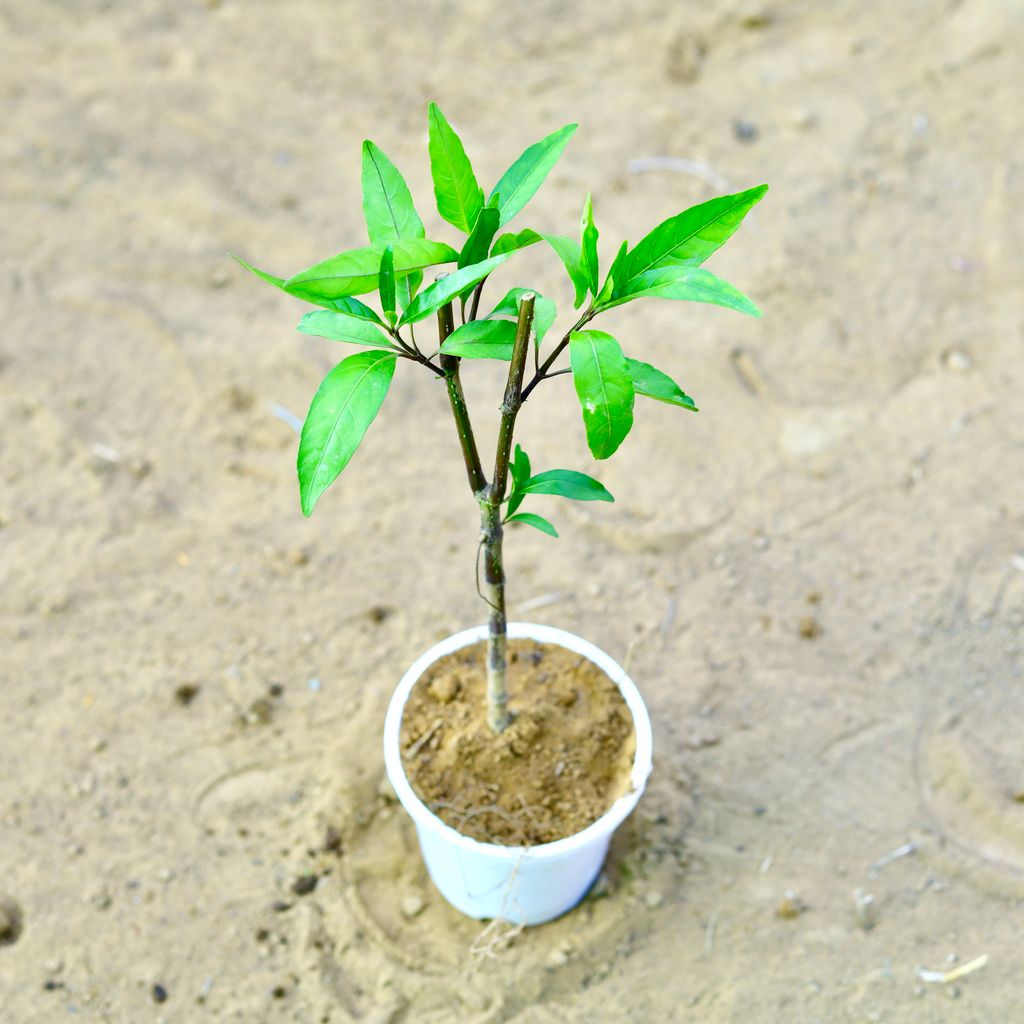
(457, 400)
(491, 531)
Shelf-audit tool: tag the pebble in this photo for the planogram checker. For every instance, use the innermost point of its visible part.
(745, 131)
(654, 899)
(304, 884)
(809, 627)
(444, 689)
(10, 921)
(159, 994)
(412, 905)
(790, 907)
(559, 956)
(219, 277)
(957, 360)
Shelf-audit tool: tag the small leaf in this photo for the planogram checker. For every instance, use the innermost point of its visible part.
(350, 305)
(459, 197)
(345, 404)
(387, 202)
(479, 242)
(277, 282)
(337, 326)
(571, 255)
(653, 383)
(588, 245)
(356, 272)
(386, 285)
(689, 284)
(604, 388)
(440, 292)
(614, 273)
(518, 184)
(544, 310)
(520, 467)
(537, 522)
(690, 237)
(567, 483)
(510, 242)
(482, 339)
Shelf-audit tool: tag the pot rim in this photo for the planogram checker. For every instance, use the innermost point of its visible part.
(604, 826)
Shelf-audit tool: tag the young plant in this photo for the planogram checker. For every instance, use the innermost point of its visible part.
(666, 263)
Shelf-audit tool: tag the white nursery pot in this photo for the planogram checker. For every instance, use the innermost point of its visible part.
(523, 885)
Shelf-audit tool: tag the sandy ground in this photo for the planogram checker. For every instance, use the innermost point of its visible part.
(818, 583)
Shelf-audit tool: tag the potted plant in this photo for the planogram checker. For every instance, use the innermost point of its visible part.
(515, 791)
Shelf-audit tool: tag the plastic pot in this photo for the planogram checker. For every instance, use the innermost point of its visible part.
(523, 885)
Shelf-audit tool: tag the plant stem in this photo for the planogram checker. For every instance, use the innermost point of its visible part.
(457, 399)
(491, 532)
(587, 316)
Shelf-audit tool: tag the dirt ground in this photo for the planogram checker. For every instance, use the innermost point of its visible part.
(818, 582)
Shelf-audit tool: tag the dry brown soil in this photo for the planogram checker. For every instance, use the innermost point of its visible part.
(817, 582)
(560, 764)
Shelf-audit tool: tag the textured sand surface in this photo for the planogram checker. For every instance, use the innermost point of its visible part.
(818, 582)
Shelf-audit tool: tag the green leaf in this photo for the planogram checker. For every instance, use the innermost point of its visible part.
(614, 273)
(653, 383)
(479, 242)
(510, 242)
(604, 388)
(567, 483)
(387, 202)
(544, 310)
(440, 292)
(343, 407)
(689, 284)
(277, 282)
(351, 306)
(571, 254)
(459, 197)
(538, 522)
(356, 272)
(518, 184)
(520, 468)
(482, 339)
(337, 326)
(386, 285)
(690, 237)
(588, 245)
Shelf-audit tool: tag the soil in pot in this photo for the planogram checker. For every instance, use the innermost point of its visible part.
(563, 761)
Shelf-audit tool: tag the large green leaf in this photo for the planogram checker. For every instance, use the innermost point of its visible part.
(567, 483)
(479, 242)
(389, 210)
(356, 272)
(336, 326)
(510, 242)
(482, 339)
(689, 284)
(343, 407)
(544, 310)
(652, 383)
(588, 245)
(518, 184)
(440, 292)
(571, 254)
(537, 522)
(604, 388)
(459, 197)
(690, 237)
(387, 202)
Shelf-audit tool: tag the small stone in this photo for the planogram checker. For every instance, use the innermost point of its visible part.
(332, 840)
(298, 556)
(685, 59)
(866, 909)
(304, 884)
(802, 119)
(10, 921)
(745, 131)
(379, 613)
(159, 994)
(699, 740)
(444, 689)
(809, 627)
(654, 899)
(412, 905)
(957, 360)
(952, 991)
(261, 710)
(558, 957)
(186, 693)
(100, 898)
(790, 907)
(219, 277)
